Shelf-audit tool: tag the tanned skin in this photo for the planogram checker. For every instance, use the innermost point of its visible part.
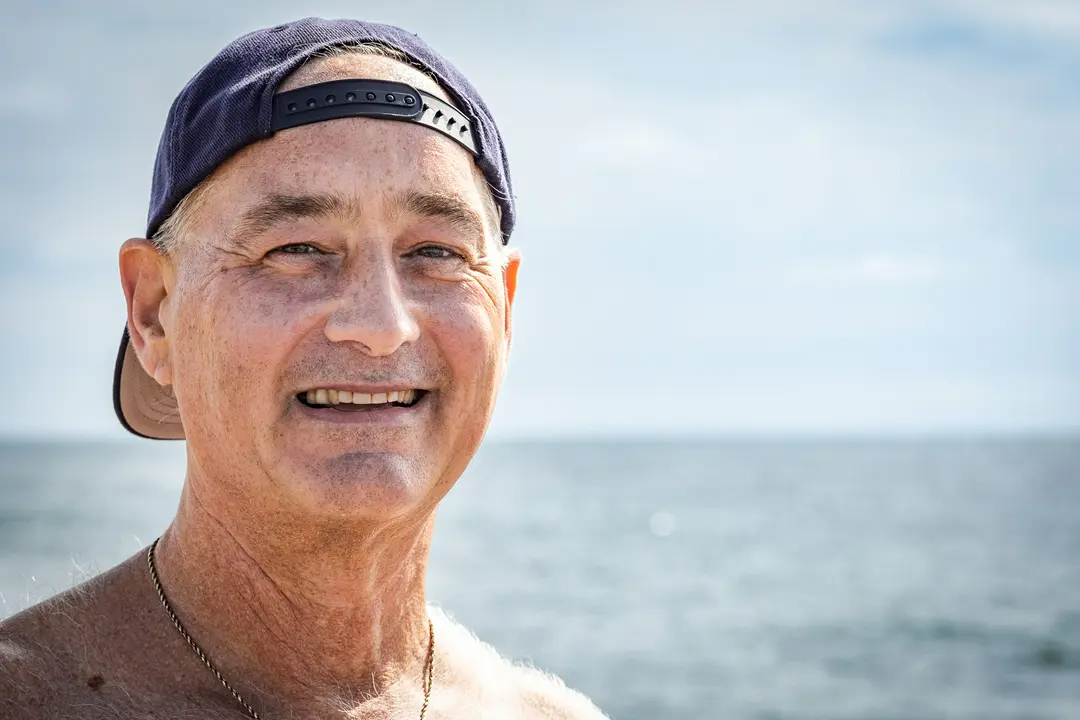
(353, 253)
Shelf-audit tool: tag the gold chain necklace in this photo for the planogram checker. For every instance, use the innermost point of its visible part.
(428, 663)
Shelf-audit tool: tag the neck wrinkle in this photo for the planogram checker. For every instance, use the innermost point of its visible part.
(298, 617)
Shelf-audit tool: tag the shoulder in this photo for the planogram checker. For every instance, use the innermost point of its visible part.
(59, 650)
(22, 692)
(516, 689)
(37, 658)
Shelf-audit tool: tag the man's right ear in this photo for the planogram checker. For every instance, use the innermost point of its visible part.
(145, 276)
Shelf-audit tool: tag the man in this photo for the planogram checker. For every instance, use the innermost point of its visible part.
(322, 308)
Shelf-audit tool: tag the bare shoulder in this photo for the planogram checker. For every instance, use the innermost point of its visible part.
(39, 653)
(511, 689)
(58, 650)
(25, 686)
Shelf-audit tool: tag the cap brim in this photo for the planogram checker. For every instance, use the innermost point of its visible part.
(144, 407)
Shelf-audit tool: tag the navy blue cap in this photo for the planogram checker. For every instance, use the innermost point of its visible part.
(229, 104)
(233, 102)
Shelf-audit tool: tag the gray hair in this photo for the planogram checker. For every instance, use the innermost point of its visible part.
(177, 226)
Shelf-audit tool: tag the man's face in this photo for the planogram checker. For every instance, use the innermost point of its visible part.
(347, 255)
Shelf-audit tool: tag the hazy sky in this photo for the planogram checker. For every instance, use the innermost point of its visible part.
(735, 217)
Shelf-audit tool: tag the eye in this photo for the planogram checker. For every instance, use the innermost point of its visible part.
(436, 252)
(298, 249)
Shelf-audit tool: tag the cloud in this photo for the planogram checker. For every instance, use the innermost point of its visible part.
(637, 144)
(24, 98)
(870, 269)
(857, 403)
(1046, 19)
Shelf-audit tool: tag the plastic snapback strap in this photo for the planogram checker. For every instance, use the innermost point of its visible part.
(371, 98)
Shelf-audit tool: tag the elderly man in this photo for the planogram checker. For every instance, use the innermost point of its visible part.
(322, 309)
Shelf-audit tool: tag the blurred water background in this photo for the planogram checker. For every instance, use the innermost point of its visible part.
(764, 579)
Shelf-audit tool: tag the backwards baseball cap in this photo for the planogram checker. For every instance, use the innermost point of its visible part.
(233, 102)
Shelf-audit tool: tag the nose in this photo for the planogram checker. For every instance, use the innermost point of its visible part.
(372, 313)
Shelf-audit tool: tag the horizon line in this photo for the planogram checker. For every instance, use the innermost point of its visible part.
(731, 435)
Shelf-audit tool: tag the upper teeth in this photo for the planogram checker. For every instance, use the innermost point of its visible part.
(337, 397)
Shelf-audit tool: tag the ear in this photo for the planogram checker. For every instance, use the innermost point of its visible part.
(146, 275)
(510, 273)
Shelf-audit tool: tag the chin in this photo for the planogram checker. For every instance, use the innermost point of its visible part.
(372, 485)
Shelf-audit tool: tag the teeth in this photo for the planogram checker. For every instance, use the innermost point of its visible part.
(337, 397)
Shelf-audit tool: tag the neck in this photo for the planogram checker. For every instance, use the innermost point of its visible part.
(295, 613)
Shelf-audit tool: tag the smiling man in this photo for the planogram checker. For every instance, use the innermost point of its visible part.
(322, 308)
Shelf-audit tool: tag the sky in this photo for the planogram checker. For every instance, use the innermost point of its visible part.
(736, 218)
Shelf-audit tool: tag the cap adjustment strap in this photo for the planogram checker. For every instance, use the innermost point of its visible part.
(371, 98)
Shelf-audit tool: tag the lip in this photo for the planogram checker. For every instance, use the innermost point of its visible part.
(390, 416)
(369, 389)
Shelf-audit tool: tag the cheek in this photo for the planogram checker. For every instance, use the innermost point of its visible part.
(469, 334)
(240, 329)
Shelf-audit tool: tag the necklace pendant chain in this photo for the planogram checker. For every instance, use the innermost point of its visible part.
(429, 661)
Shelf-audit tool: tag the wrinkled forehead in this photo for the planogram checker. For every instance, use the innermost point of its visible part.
(356, 158)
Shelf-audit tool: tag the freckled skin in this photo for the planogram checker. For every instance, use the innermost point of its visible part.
(249, 331)
(299, 549)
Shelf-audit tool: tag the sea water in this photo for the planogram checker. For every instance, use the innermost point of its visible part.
(761, 579)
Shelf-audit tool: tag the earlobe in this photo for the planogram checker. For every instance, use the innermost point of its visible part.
(143, 279)
(162, 375)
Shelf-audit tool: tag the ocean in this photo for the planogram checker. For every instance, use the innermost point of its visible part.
(758, 579)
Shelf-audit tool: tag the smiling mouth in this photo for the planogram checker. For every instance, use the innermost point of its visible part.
(346, 401)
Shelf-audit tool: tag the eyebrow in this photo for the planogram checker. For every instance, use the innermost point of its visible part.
(274, 210)
(443, 206)
(277, 209)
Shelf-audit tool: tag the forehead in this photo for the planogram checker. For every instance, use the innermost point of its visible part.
(357, 158)
(355, 65)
